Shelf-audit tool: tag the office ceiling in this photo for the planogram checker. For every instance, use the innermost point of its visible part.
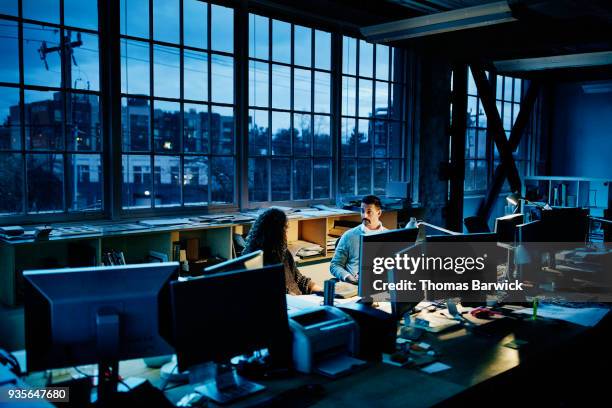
(541, 28)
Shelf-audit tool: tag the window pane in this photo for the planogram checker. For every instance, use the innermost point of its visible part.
(515, 111)
(83, 130)
(195, 74)
(222, 79)
(167, 126)
(347, 177)
(349, 55)
(301, 179)
(302, 90)
(45, 176)
(364, 144)
(322, 50)
(135, 18)
(349, 89)
(366, 58)
(259, 36)
(222, 188)
(135, 116)
(281, 171)
(195, 180)
(378, 132)
(517, 90)
(166, 21)
(48, 71)
(472, 116)
(222, 28)
(259, 82)
(281, 134)
(499, 88)
(258, 179)
(136, 191)
(166, 71)
(321, 178)
(322, 92)
(348, 137)
(134, 67)
(84, 182)
(9, 49)
(258, 132)
(380, 177)
(468, 183)
(507, 89)
(365, 98)
(43, 120)
(81, 13)
(86, 71)
(482, 144)
(196, 125)
(10, 137)
(382, 99)
(382, 62)
(470, 143)
(167, 181)
(482, 116)
(222, 130)
(395, 170)
(281, 87)
(364, 176)
(322, 139)
(9, 7)
(302, 46)
(195, 23)
(472, 90)
(281, 41)
(42, 10)
(302, 134)
(507, 116)
(11, 183)
(481, 175)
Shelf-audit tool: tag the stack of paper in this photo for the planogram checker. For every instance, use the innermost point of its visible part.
(305, 249)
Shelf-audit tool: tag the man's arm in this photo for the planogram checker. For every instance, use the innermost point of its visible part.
(338, 263)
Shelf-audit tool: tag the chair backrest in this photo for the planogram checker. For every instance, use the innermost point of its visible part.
(476, 224)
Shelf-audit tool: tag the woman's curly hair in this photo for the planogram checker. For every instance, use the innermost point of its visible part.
(268, 234)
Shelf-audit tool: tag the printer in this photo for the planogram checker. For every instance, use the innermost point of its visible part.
(324, 341)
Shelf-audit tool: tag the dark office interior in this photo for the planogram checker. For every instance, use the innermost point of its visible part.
(190, 191)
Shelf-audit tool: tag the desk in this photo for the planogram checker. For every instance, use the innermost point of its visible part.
(556, 360)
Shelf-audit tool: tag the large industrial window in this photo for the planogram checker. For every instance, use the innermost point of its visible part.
(373, 119)
(50, 143)
(290, 146)
(177, 105)
(479, 144)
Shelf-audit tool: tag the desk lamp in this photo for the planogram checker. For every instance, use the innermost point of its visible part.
(515, 199)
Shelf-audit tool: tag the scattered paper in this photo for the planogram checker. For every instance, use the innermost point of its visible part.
(435, 368)
(587, 316)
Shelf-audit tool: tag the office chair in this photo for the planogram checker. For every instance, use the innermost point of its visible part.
(475, 224)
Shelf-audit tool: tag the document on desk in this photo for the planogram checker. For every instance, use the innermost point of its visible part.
(587, 316)
(338, 365)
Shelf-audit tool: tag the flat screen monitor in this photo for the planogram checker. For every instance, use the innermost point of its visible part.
(393, 240)
(399, 307)
(253, 260)
(216, 317)
(505, 227)
(565, 224)
(85, 315)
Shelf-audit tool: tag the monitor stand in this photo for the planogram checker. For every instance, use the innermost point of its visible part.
(227, 386)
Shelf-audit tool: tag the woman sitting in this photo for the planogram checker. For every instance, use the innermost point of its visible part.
(269, 233)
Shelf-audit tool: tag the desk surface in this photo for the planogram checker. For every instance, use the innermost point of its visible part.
(474, 358)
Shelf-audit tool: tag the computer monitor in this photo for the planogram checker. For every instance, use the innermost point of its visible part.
(565, 224)
(215, 317)
(253, 260)
(394, 240)
(95, 315)
(505, 227)
(399, 305)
